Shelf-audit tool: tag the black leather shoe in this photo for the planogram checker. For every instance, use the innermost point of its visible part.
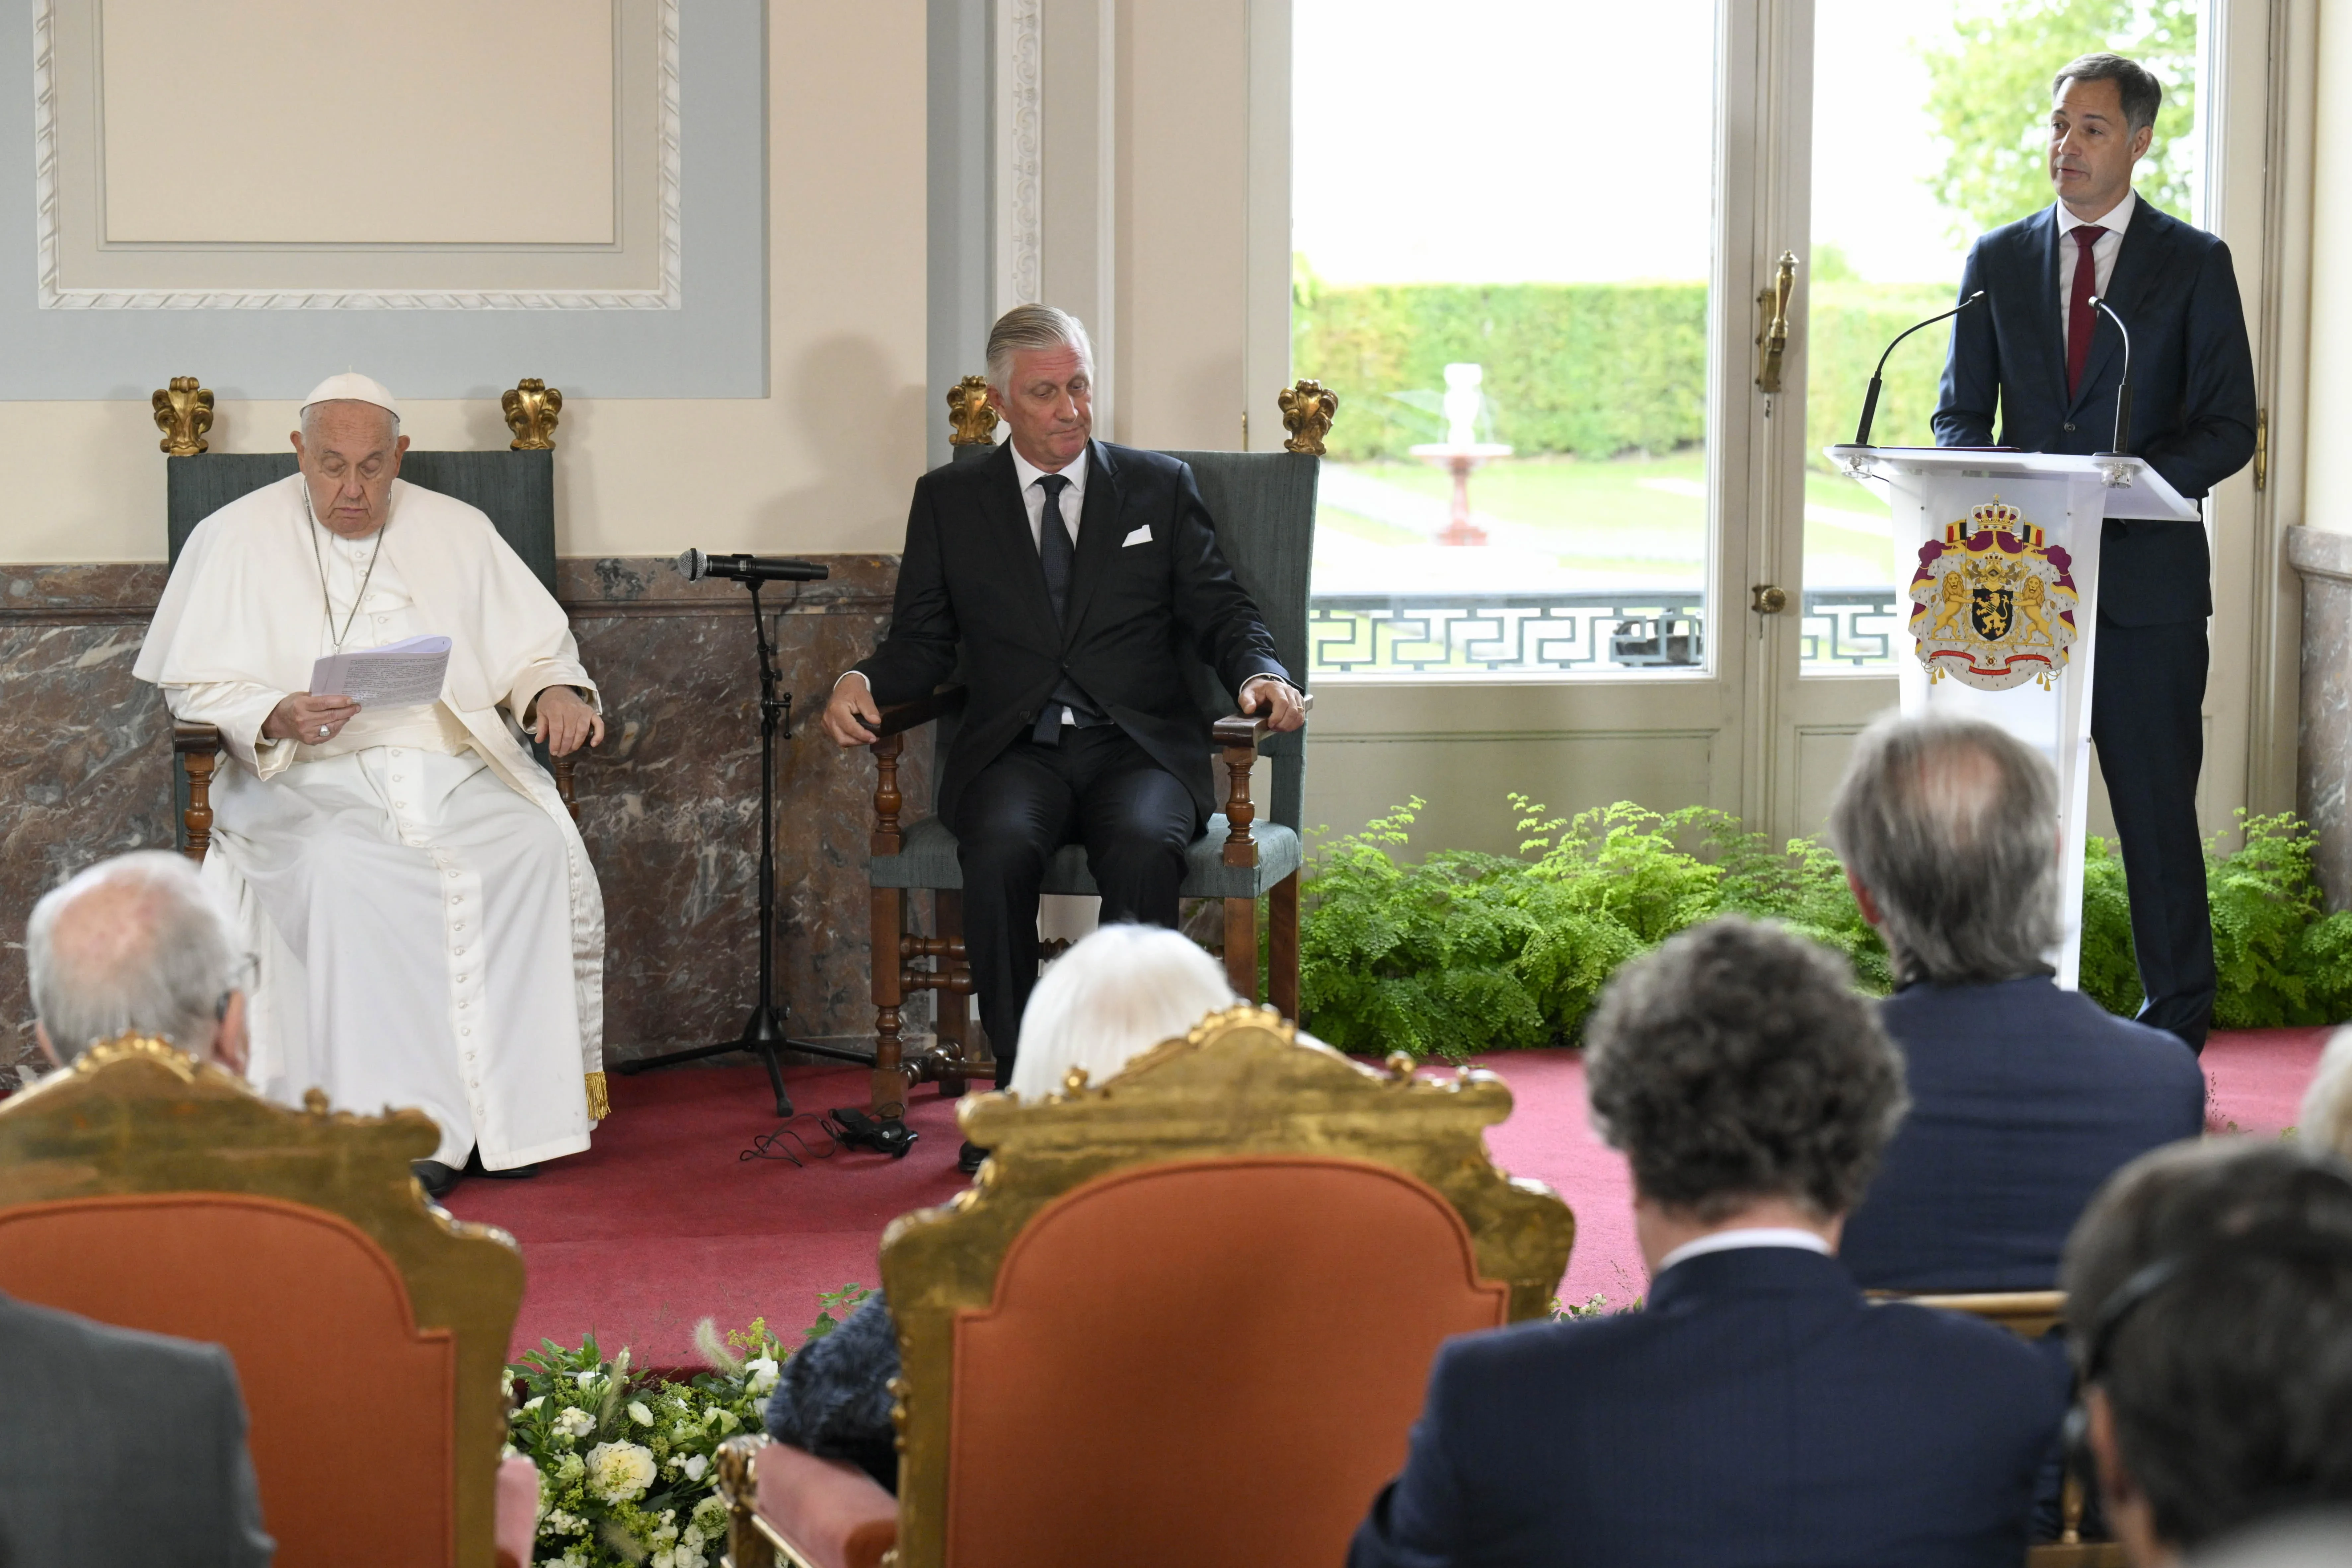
(969, 1158)
(474, 1167)
(435, 1177)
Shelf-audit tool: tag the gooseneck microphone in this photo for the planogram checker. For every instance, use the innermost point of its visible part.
(2122, 392)
(694, 565)
(1870, 402)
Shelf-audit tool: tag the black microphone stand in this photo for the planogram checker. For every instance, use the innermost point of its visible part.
(1877, 382)
(763, 1032)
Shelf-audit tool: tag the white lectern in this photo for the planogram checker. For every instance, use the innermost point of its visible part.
(1998, 554)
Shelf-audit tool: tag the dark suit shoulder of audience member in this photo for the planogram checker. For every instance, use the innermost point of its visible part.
(1757, 1411)
(2024, 1098)
(121, 1448)
(832, 1398)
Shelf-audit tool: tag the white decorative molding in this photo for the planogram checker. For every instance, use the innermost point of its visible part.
(1019, 142)
(668, 296)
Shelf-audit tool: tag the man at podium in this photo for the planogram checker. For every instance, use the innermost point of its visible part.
(2043, 356)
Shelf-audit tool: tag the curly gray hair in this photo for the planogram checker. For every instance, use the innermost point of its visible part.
(1736, 1062)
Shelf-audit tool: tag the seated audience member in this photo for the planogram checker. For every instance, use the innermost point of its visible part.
(428, 926)
(135, 945)
(2210, 1308)
(1756, 1409)
(2025, 1098)
(1112, 996)
(118, 1446)
(2325, 1121)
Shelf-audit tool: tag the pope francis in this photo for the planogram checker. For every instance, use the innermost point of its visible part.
(427, 927)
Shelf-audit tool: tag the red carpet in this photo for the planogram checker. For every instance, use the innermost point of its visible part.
(661, 1225)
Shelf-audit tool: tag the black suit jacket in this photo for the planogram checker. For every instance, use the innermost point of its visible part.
(2024, 1098)
(1757, 1411)
(1142, 614)
(119, 1447)
(2192, 386)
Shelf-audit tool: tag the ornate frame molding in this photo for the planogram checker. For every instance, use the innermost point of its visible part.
(668, 164)
(1019, 140)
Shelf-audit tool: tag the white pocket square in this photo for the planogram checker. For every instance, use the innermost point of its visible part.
(1140, 536)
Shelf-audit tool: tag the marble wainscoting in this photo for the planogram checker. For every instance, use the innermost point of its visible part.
(669, 804)
(85, 763)
(2323, 561)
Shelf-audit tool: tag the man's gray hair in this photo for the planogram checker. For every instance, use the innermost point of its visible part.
(1115, 994)
(311, 416)
(1951, 824)
(1033, 327)
(132, 944)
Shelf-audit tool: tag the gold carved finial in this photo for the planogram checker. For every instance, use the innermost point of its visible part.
(531, 408)
(1306, 412)
(971, 422)
(184, 412)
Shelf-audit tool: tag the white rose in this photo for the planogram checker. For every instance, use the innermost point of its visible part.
(693, 1538)
(534, 1402)
(694, 1465)
(639, 1414)
(764, 1373)
(620, 1472)
(574, 1421)
(710, 1516)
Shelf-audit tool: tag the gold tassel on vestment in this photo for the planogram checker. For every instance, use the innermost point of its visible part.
(600, 1104)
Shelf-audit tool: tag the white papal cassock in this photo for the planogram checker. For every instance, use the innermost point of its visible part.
(428, 927)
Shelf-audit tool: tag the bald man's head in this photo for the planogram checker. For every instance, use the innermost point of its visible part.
(135, 945)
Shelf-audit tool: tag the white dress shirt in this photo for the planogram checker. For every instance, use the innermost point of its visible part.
(1733, 1240)
(2102, 253)
(1033, 496)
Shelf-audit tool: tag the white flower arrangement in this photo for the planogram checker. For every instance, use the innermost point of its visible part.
(629, 1464)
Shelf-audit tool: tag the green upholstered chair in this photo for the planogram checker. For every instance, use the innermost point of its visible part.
(1263, 504)
(516, 488)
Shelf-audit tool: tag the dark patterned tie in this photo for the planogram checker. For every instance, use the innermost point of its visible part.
(2081, 318)
(1059, 557)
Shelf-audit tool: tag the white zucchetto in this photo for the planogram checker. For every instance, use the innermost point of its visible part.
(352, 387)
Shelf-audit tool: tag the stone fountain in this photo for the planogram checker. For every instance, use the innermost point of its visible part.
(1462, 452)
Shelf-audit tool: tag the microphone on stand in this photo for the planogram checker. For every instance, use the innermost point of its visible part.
(2122, 392)
(694, 565)
(1870, 402)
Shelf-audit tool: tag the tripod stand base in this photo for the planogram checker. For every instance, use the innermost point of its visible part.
(764, 1035)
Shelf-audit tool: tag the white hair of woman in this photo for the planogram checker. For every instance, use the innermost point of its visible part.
(2326, 1118)
(1112, 996)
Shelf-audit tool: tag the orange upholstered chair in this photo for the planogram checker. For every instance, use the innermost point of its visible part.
(368, 1331)
(1185, 1318)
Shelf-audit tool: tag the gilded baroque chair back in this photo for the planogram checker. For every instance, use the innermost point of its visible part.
(369, 1331)
(1188, 1316)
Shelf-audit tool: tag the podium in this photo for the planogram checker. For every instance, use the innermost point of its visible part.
(1997, 552)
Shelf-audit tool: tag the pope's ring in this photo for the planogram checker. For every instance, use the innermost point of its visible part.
(323, 732)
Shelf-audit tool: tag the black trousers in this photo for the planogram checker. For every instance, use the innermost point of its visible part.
(2146, 700)
(1098, 788)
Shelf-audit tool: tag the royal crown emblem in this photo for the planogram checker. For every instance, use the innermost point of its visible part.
(1991, 607)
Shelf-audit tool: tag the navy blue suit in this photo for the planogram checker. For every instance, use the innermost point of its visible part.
(1757, 1411)
(2024, 1098)
(2193, 409)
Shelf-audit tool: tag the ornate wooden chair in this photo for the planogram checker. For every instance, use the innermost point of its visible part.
(2031, 1315)
(1264, 506)
(1186, 1317)
(515, 487)
(369, 1330)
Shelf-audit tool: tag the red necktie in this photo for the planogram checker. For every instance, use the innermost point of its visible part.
(2079, 316)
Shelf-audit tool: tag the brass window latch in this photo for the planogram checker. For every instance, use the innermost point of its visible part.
(1765, 599)
(1772, 329)
(2262, 448)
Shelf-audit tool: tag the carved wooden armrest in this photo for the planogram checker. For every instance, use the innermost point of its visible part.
(748, 1545)
(889, 836)
(197, 747)
(565, 766)
(1237, 736)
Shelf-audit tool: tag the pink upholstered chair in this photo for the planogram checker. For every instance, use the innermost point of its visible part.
(369, 1330)
(1185, 1318)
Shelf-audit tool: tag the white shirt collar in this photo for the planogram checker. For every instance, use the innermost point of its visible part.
(1733, 1240)
(2115, 220)
(1030, 473)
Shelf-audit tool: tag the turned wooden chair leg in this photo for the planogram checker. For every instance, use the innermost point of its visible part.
(949, 998)
(1282, 946)
(566, 768)
(888, 1094)
(1241, 947)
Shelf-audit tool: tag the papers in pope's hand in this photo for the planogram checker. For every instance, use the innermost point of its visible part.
(397, 675)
